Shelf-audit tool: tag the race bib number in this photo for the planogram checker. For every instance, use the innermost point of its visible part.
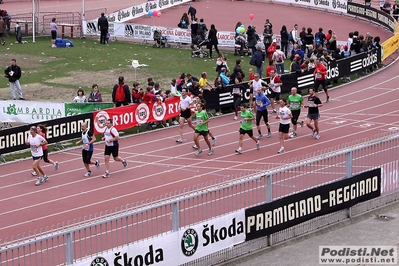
(294, 105)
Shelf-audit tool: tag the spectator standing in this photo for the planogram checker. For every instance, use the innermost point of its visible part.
(395, 12)
(137, 93)
(257, 60)
(35, 142)
(302, 35)
(285, 115)
(121, 93)
(13, 73)
(80, 97)
(272, 48)
(2, 31)
(111, 137)
(102, 25)
(192, 12)
(278, 58)
(95, 95)
(202, 29)
(213, 40)
(267, 36)
(387, 7)
(320, 38)
(284, 39)
(251, 39)
(194, 28)
(313, 105)
(53, 28)
(294, 35)
(87, 139)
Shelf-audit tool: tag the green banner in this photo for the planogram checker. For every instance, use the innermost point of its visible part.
(82, 108)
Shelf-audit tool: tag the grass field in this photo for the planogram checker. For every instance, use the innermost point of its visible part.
(56, 73)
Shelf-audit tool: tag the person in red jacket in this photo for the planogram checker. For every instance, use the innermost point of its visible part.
(320, 73)
(271, 49)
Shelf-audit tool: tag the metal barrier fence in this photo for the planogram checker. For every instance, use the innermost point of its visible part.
(87, 236)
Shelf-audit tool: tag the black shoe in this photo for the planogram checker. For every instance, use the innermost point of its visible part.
(23, 99)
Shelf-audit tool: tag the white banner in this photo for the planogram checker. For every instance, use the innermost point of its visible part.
(140, 10)
(333, 5)
(178, 247)
(158, 251)
(226, 38)
(177, 35)
(30, 111)
(211, 236)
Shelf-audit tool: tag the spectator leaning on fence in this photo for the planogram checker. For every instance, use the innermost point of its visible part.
(95, 95)
(121, 93)
(2, 31)
(80, 97)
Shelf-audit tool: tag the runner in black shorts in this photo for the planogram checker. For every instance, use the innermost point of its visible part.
(185, 113)
(313, 104)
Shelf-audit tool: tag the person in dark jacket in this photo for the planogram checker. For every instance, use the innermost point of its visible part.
(251, 38)
(194, 28)
(192, 12)
(184, 22)
(237, 72)
(102, 26)
(284, 39)
(257, 60)
(213, 40)
(13, 73)
(126, 90)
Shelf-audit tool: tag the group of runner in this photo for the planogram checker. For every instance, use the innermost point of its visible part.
(38, 145)
(288, 112)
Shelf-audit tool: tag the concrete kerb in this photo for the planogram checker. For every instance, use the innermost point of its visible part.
(320, 231)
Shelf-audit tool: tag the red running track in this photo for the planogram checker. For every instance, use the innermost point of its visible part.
(157, 165)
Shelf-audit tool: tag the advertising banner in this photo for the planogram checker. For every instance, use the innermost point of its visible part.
(82, 108)
(332, 5)
(62, 129)
(136, 114)
(211, 236)
(390, 46)
(30, 111)
(373, 14)
(281, 214)
(154, 251)
(140, 10)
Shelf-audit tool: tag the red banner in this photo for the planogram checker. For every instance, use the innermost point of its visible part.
(136, 114)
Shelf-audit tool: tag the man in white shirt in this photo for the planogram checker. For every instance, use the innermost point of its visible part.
(111, 137)
(35, 141)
